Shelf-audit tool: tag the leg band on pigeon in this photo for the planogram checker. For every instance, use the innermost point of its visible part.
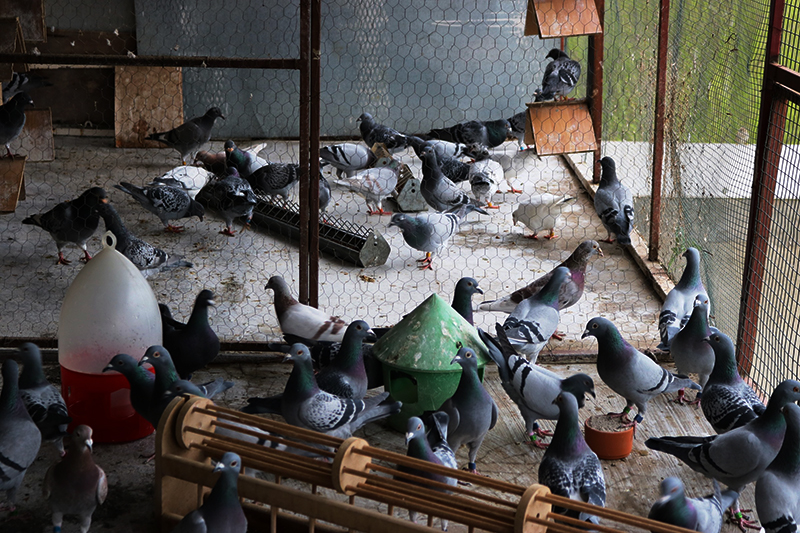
(472, 467)
(626, 410)
(638, 419)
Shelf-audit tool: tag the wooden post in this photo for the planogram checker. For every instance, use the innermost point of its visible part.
(658, 134)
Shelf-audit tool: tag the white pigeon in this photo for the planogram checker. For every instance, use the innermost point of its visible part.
(187, 177)
(374, 184)
(302, 320)
(543, 212)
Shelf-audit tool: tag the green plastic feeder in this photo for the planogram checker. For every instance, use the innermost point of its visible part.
(416, 353)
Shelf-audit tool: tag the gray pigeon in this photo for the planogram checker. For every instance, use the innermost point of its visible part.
(532, 387)
(437, 190)
(221, 511)
(728, 402)
(166, 202)
(629, 372)
(324, 193)
(614, 204)
(373, 132)
(462, 297)
(195, 344)
(374, 184)
(692, 355)
(232, 197)
(275, 179)
(346, 375)
(42, 400)
(740, 456)
(304, 405)
(347, 158)
(571, 291)
(778, 488)
(190, 136)
(517, 123)
(560, 76)
(700, 514)
(679, 303)
(535, 319)
(19, 437)
(471, 409)
(12, 119)
(141, 384)
(73, 221)
(75, 485)
(569, 467)
(450, 149)
(543, 212)
(303, 320)
(490, 134)
(23, 82)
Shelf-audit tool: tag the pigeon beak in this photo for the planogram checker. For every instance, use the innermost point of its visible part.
(455, 359)
(219, 468)
(707, 339)
(478, 290)
(371, 336)
(108, 367)
(600, 252)
(594, 395)
(212, 303)
(287, 358)
(585, 334)
(89, 443)
(144, 360)
(409, 436)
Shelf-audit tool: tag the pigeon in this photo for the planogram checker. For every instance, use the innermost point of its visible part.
(324, 193)
(373, 132)
(75, 485)
(303, 320)
(275, 179)
(484, 178)
(532, 387)
(700, 514)
(438, 191)
(190, 136)
(535, 319)
(418, 447)
(629, 372)
(543, 212)
(569, 467)
(346, 375)
(42, 400)
(144, 256)
(374, 184)
(560, 76)
(73, 221)
(462, 297)
(739, 456)
(304, 405)
(490, 134)
(614, 204)
(212, 162)
(192, 345)
(450, 149)
(23, 82)
(232, 197)
(471, 409)
(166, 202)
(19, 437)
(777, 494)
(728, 402)
(437, 439)
(189, 178)
(141, 385)
(12, 119)
(679, 303)
(517, 123)
(221, 511)
(571, 291)
(347, 158)
(690, 351)
(430, 232)
(246, 163)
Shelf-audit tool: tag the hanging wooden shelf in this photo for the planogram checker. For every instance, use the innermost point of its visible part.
(560, 127)
(11, 41)
(562, 18)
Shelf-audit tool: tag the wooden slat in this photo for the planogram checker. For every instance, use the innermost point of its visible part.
(11, 41)
(146, 100)
(562, 18)
(11, 182)
(560, 127)
(31, 17)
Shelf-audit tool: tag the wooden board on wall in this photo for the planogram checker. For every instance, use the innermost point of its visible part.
(146, 100)
(560, 127)
(31, 17)
(36, 139)
(562, 18)
(11, 41)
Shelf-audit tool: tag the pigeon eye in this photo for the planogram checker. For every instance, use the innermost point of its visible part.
(419, 426)
(716, 338)
(594, 326)
(795, 389)
(157, 354)
(234, 463)
(469, 355)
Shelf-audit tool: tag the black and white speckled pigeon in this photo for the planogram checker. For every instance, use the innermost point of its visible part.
(347, 158)
(75, 485)
(532, 387)
(190, 136)
(560, 76)
(19, 437)
(12, 119)
(73, 221)
(275, 179)
(374, 184)
(232, 197)
(23, 82)
(484, 179)
(543, 212)
(373, 132)
(42, 399)
(302, 320)
(739, 456)
(535, 319)
(304, 405)
(569, 467)
(471, 409)
(692, 355)
(439, 191)
(613, 203)
(245, 162)
(346, 376)
(679, 303)
(189, 178)
(221, 511)
(629, 372)
(700, 514)
(195, 344)
(462, 297)
(778, 488)
(166, 202)
(490, 134)
(517, 123)
(728, 402)
(571, 291)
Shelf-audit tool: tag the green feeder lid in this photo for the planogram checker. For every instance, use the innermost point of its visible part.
(427, 339)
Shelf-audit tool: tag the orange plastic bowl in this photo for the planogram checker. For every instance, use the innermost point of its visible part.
(608, 444)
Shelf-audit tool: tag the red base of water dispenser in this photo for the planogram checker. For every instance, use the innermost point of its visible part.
(102, 402)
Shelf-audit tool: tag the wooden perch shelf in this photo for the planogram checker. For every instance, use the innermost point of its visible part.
(560, 127)
(562, 18)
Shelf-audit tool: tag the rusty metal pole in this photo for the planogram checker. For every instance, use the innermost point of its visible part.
(594, 86)
(771, 126)
(658, 133)
(313, 207)
(304, 159)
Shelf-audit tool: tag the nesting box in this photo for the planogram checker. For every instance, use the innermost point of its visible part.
(416, 354)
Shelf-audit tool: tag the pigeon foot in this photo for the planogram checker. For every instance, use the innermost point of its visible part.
(173, 229)
(63, 260)
(229, 232)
